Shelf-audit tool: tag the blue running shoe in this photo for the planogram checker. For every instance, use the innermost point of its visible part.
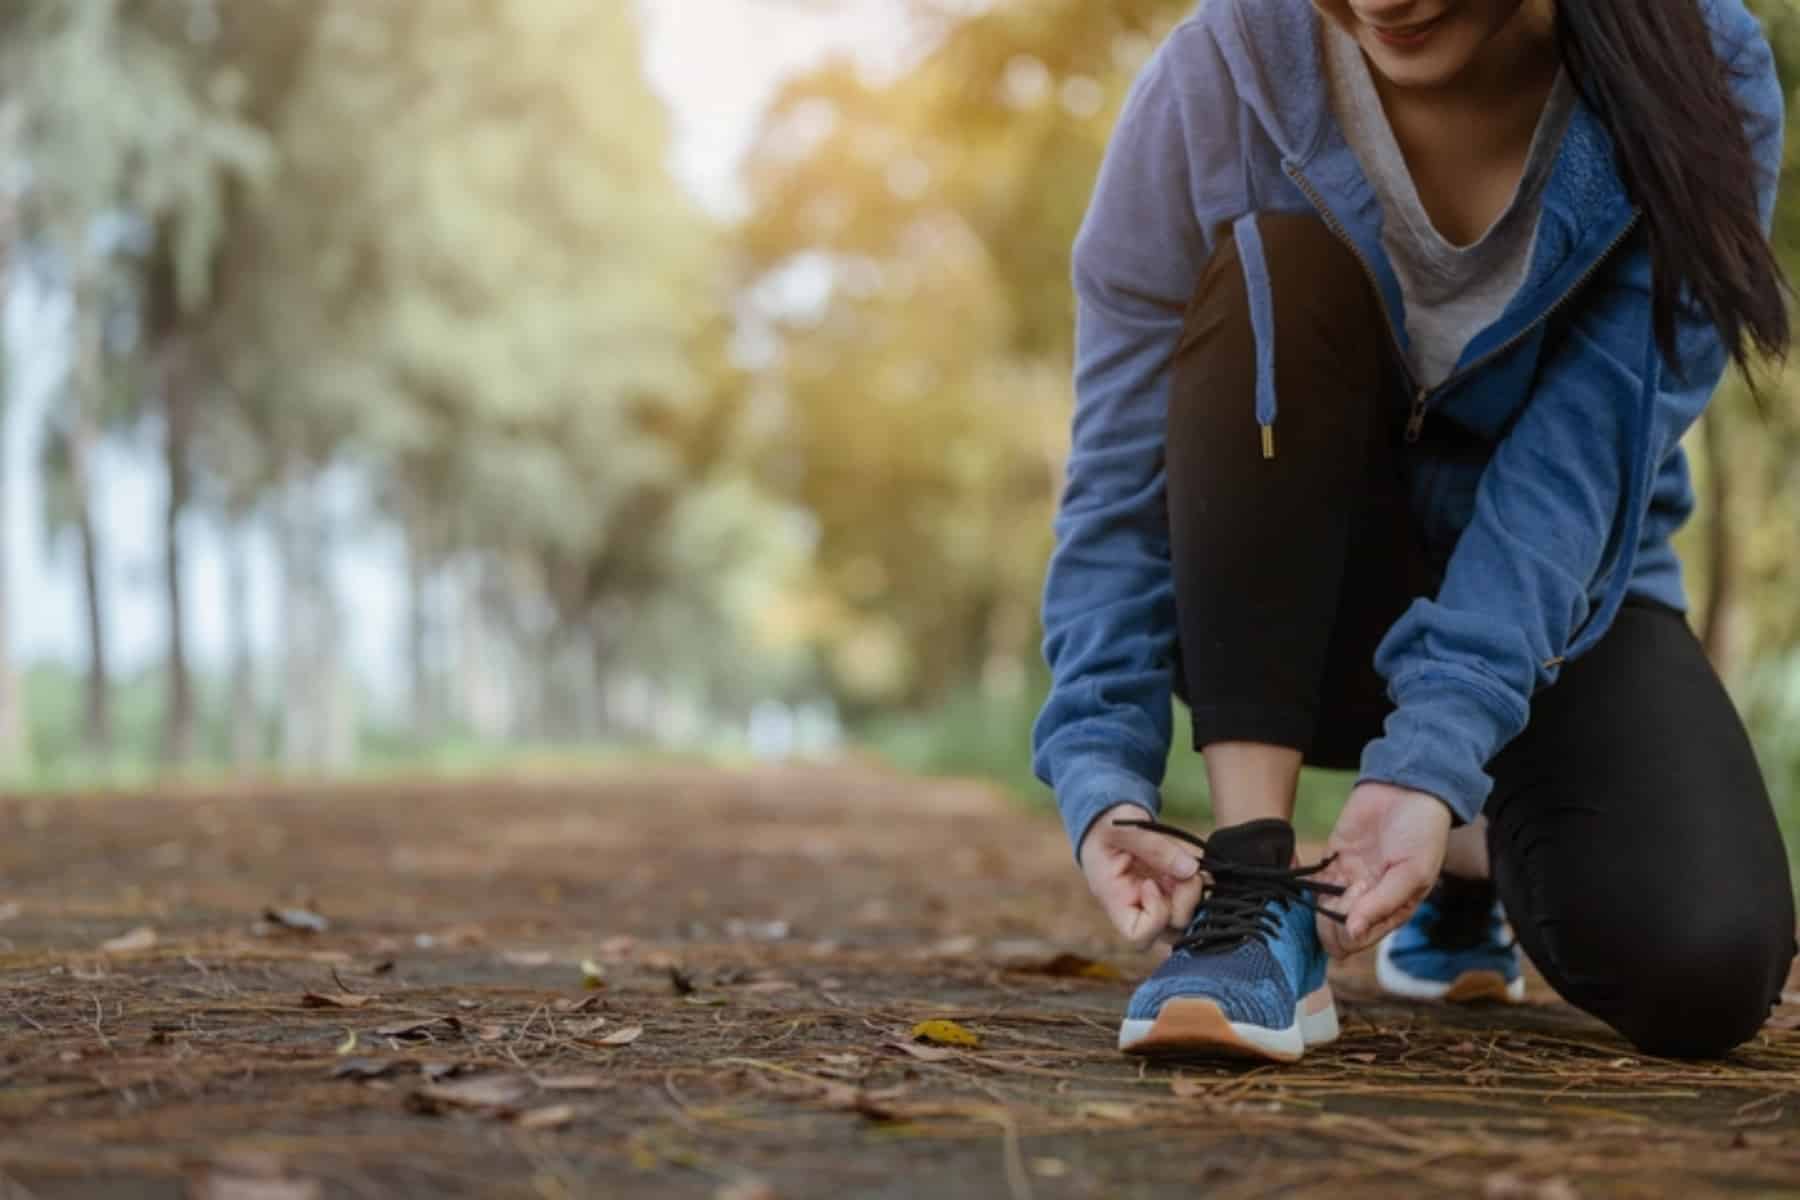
(1247, 979)
(1456, 948)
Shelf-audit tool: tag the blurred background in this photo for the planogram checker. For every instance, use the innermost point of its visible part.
(439, 384)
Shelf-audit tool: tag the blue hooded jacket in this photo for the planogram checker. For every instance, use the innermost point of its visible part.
(1572, 511)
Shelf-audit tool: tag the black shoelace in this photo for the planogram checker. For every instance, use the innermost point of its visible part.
(1234, 904)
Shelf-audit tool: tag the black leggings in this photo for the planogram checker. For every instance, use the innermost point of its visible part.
(1632, 838)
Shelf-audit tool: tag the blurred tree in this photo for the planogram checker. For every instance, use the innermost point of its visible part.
(474, 282)
(132, 146)
(13, 748)
(908, 253)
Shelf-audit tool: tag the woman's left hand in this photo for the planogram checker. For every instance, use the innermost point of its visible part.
(1389, 844)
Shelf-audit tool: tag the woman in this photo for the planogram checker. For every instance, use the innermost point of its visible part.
(1392, 314)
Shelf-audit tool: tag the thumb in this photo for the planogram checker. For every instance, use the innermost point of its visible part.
(1398, 890)
(1150, 916)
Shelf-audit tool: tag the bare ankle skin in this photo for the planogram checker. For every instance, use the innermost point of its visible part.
(1467, 855)
(1251, 781)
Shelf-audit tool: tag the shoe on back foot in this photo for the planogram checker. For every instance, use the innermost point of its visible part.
(1247, 979)
(1456, 948)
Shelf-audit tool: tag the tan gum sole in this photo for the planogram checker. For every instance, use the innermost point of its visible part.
(1198, 1027)
(1475, 986)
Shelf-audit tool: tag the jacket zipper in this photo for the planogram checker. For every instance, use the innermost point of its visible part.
(1421, 396)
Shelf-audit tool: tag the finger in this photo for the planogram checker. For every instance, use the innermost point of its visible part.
(1331, 931)
(1398, 890)
(1160, 855)
(1118, 898)
(1152, 915)
(1184, 898)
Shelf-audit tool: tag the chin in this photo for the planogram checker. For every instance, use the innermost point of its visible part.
(1424, 71)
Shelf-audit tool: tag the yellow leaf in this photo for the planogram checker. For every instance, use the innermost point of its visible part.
(945, 1033)
(348, 1044)
(593, 975)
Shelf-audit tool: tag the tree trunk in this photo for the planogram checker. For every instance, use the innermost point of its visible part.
(13, 749)
(1721, 544)
(418, 637)
(246, 732)
(318, 699)
(83, 434)
(178, 737)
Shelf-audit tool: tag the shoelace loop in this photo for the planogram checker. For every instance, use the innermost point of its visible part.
(1234, 903)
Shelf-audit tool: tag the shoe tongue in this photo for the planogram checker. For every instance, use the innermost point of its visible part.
(1265, 843)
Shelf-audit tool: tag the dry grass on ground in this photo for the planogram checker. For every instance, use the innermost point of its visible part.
(759, 950)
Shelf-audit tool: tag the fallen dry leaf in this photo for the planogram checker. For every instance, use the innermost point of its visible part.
(586, 1003)
(348, 1045)
(623, 1037)
(922, 1052)
(945, 1033)
(141, 938)
(876, 1105)
(371, 1068)
(483, 1091)
(335, 1000)
(1108, 1110)
(491, 1033)
(1072, 966)
(300, 920)
(588, 1028)
(553, 1116)
(593, 975)
(434, 1071)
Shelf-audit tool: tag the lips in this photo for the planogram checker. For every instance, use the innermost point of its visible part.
(1405, 37)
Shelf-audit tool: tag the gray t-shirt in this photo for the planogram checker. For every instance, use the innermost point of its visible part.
(1452, 292)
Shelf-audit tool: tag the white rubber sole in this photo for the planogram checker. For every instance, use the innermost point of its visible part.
(1199, 1027)
(1466, 988)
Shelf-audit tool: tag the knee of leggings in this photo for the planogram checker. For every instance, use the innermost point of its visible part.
(1704, 989)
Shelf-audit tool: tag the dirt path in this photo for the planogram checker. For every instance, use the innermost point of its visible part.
(776, 936)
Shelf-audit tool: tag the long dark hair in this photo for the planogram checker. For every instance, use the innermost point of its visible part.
(1650, 71)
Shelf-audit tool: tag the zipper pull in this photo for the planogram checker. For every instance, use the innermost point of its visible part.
(1415, 424)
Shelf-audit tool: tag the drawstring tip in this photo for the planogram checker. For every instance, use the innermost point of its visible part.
(1268, 439)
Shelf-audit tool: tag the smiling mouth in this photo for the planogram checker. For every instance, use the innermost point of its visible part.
(1406, 35)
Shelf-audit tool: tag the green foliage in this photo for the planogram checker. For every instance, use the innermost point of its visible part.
(978, 735)
(926, 388)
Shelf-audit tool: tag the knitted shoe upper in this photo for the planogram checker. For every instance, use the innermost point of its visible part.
(1459, 928)
(1252, 947)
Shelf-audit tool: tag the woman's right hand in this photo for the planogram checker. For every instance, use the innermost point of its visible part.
(1148, 884)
